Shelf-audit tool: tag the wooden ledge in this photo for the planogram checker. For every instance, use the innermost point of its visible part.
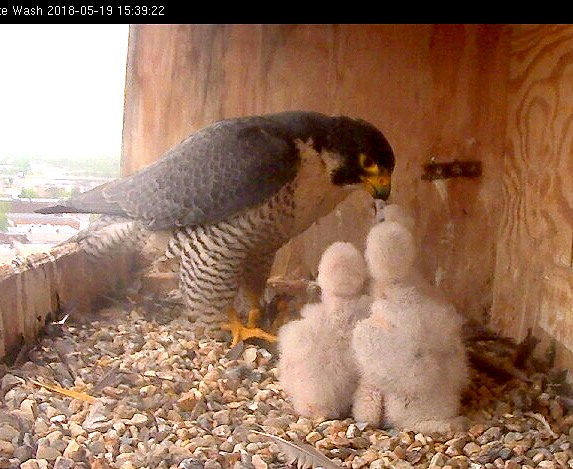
(47, 285)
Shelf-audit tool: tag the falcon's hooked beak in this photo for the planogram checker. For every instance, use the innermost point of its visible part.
(377, 182)
(375, 178)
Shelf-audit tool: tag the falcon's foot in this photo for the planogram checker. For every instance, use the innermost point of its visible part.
(242, 332)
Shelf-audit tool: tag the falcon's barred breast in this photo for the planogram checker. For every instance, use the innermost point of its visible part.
(234, 192)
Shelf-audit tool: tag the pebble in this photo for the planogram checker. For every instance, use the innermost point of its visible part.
(29, 409)
(8, 433)
(313, 437)
(438, 460)
(64, 463)
(139, 420)
(30, 464)
(511, 465)
(250, 354)
(360, 442)
(457, 443)
(471, 448)
(48, 453)
(6, 448)
(74, 451)
(175, 398)
(491, 434)
(547, 464)
(353, 431)
(23, 453)
(511, 438)
(222, 417)
(258, 462)
(405, 438)
(402, 465)
(76, 430)
(189, 400)
(364, 460)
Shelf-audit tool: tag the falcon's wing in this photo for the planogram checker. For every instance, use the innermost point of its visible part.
(223, 169)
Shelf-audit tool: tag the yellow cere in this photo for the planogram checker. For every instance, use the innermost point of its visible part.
(382, 180)
(375, 184)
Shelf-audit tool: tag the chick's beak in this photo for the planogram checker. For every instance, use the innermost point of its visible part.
(378, 185)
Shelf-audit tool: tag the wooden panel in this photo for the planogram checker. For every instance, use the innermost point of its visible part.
(435, 90)
(556, 311)
(66, 280)
(463, 118)
(534, 279)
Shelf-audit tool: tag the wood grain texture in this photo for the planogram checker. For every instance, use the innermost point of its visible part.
(434, 90)
(534, 280)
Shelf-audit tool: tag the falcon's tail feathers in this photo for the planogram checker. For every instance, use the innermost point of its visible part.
(92, 201)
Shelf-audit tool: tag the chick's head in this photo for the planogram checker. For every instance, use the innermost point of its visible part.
(390, 252)
(399, 214)
(342, 270)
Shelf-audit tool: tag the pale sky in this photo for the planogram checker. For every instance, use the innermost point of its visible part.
(61, 89)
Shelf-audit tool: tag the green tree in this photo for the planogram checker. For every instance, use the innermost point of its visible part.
(28, 193)
(23, 163)
(56, 193)
(4, 208)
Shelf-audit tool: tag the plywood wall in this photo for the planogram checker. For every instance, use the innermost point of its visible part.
(534, 268)
(434, 90)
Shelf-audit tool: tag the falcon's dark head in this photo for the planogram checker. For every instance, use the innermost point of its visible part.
(366, 157)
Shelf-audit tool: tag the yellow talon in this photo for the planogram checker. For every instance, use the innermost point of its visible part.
(253, 318)
(239, 332)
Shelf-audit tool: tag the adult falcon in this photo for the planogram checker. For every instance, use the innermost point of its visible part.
(233, 193)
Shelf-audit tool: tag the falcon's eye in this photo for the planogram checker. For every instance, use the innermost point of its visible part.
(368, 164)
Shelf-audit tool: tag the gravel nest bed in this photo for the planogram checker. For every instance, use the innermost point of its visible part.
(169, 393)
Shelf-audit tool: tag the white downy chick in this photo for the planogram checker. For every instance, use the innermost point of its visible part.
(410, 352)
(396, 213)
(316, 365)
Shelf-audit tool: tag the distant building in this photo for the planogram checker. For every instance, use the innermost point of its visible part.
(45, 228)
(27, 231)
(30, 232)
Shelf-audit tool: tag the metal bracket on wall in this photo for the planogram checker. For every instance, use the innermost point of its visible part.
(452, 169)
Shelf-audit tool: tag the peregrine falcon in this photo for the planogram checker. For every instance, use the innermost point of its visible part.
(233, 193)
